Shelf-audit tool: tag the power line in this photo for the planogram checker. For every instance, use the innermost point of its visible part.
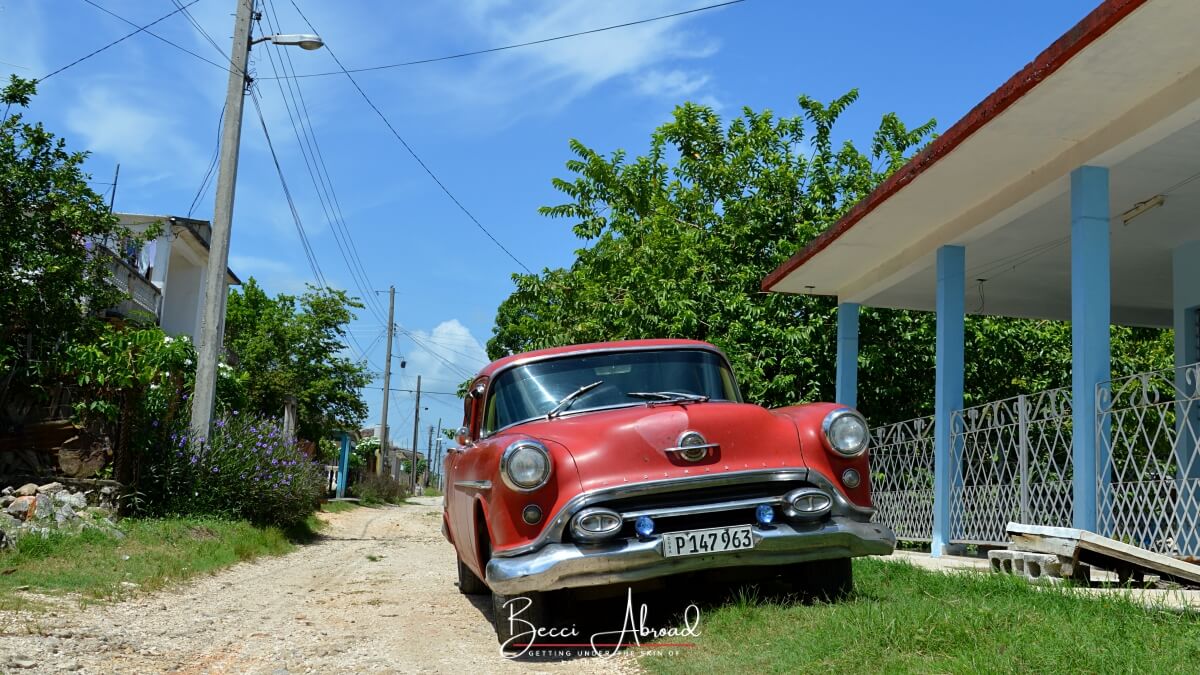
(308, 252)
(524, 44)
(200, 29)
(318, 171)
(412, 152)
(212, 165)
(117, 41)
(155, 35)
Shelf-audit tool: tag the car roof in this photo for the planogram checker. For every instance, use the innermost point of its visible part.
(617, 345)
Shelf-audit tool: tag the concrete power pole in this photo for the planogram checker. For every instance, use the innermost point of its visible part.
(429, 455)
(212, 323)
(387, 380)
(412, 466)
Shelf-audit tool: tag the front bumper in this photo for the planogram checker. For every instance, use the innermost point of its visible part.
(570, 565)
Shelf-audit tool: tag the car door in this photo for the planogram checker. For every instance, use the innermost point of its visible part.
(462, 485)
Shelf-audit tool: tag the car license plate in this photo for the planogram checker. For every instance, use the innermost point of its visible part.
(716, 540)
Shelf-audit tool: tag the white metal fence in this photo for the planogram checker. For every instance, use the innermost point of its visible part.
(902, 477)
(1011, 462)
(1148, 437)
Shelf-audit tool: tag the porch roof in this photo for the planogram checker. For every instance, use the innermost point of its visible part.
(1121, 89)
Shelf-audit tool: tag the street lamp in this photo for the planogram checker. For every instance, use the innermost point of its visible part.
(213, 318)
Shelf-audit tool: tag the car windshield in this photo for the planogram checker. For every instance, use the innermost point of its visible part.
(608, 379)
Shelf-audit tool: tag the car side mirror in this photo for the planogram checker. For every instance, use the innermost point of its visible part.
(463, 438)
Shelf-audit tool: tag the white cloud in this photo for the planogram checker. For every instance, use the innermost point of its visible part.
(561, 71)
(275, 276)
(675, 84)
(456, 355)
(136, 129)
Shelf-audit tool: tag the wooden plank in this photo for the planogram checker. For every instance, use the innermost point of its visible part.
(1058, 539)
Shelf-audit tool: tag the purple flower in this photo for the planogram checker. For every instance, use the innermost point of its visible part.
(235, 413)
(195, 459)
(216, 470)
(220, 423)
(154, 424)
(87, 245)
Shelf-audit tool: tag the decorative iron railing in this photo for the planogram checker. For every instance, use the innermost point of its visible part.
(1148, 440)
(902, 477)
(1010, 461)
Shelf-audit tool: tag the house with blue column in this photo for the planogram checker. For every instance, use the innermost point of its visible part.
(1072, 192)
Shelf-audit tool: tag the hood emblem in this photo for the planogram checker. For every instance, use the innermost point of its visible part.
(692, 446)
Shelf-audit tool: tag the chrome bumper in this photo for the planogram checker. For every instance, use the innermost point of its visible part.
(557, 566)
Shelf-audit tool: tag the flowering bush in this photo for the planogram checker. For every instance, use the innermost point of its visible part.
(245, 469)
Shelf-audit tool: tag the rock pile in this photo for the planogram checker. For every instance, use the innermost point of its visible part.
(41, 509)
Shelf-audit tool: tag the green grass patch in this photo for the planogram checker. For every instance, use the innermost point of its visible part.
(903, 619)
(432, 492)
(153, 553)
(338, 507)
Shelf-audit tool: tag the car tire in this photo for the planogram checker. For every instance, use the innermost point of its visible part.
(822, 580)
(534, 613)
(468, 582)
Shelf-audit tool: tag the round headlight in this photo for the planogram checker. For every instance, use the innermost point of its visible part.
(846, 432)
(525, 466)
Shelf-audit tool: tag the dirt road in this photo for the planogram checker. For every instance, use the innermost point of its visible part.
(376, 594)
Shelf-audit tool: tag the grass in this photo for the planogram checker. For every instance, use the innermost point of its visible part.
(338, 507)
(153, 553)
(903, 619)
(432, 492)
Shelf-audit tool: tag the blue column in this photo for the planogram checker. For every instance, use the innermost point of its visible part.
(1090, 319)
(948, 387)
(1185, 266)
(847, 355)
(343, 466)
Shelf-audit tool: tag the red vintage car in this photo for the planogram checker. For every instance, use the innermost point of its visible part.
(614, 463)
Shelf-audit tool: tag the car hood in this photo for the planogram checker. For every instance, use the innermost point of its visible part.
(627, 445)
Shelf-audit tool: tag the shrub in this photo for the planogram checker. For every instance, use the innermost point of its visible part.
(245, 469)
(373, 488)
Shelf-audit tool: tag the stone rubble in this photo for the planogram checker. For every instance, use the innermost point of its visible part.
(39, 510)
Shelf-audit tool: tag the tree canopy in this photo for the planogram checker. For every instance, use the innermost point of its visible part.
(678, 240)
(53, 277)
(293, 347)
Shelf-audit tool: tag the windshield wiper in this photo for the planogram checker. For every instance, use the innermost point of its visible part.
(570, 398)
(667, 397)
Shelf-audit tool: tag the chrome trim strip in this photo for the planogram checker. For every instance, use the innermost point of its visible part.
(680, 448)
(627, 560)
(474, 484)
(670, 511)
(554, 528)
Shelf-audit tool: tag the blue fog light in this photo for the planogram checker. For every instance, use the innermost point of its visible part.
(644, 526)
(764, 514)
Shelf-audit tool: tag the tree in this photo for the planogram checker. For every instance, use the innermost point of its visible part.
(53, 277)
(289, 346)
(677, 242)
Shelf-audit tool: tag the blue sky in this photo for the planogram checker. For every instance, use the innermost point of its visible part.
(493, 127)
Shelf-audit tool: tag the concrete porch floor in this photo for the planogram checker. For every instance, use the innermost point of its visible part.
(1153, 598)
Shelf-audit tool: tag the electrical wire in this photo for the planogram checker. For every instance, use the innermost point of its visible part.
(212, 165)
(308, 252)
(518, 45)
(119, 40)
(200, 29)
(318, 171)
(155, 35)
(410, 150)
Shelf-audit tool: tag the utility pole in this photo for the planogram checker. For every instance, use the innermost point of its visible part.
(209, 345)
(387, 379)
(412, 473)
(429, 450)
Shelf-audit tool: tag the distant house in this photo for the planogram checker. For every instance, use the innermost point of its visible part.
(165, 277)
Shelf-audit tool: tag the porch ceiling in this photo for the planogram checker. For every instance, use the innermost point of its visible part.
(1128, 99)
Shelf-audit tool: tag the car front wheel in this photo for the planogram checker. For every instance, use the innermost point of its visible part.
(822, 580)
(517, 618)
(468, 582)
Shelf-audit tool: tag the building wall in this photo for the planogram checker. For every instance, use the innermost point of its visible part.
(181, 296)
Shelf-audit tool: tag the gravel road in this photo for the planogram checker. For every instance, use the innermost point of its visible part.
(375, 594)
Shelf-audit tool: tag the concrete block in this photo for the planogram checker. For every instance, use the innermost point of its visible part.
(1039, 565)
(1001, 561)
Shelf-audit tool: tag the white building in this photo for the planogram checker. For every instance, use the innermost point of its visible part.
(166, 276)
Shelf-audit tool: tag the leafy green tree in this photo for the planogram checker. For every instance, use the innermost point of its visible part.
(53, 277)
(289, 346)
(678, 240)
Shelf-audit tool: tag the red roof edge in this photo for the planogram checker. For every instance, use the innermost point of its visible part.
(1095, 24)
